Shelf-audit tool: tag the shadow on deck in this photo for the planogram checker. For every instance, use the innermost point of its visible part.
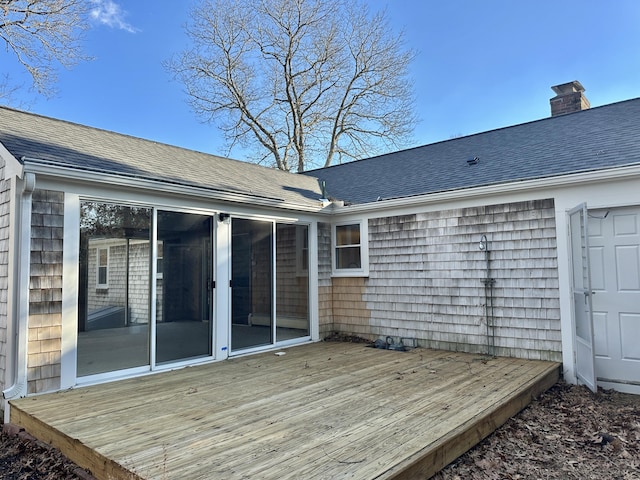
(320, 411)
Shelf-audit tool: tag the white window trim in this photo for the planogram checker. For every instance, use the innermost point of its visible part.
(363, 271)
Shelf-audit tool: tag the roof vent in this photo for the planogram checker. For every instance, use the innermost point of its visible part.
(473, 161)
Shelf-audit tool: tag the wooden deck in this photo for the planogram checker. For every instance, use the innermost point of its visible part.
(320, 411)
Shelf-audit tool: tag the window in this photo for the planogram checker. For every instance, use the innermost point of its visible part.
(159, 261)
(302, 250)
(103, 268)
(350, 249)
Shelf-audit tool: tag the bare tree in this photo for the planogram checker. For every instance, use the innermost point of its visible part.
(303, 82)
(43, 34)
(7, 90)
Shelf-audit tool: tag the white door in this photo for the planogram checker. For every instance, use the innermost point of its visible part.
(581, 288)
(614, 247)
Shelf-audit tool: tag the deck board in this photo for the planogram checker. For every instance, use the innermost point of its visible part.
(324, 410)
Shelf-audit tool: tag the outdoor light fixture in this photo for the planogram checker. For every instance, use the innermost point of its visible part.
(483, 245)
(223, 216)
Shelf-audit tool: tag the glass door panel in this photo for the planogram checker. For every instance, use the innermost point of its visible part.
(292, 281)
(251, 283)
(184, 286)
(113, 299)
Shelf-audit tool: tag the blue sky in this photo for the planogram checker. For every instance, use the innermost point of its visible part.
(481, 65)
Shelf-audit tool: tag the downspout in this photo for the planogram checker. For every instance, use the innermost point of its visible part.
(20, 295)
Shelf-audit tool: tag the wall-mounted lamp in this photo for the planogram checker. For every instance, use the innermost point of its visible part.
(222, 217)
(484, 243)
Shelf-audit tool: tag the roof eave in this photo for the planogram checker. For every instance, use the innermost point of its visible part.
(13, 168)
(125, 181)
(490, 190)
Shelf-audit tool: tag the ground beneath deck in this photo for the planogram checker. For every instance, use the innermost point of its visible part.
(325, 410)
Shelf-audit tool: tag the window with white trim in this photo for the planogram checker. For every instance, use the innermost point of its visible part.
(102, 280)
(350, 249)
(302, 250)
(159, 261)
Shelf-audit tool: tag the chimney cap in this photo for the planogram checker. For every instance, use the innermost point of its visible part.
(570, 87)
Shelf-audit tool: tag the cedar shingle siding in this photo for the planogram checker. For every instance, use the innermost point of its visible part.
(137, 286)
(45, 292)
(426, 273)
(325, 303)
(5, 195)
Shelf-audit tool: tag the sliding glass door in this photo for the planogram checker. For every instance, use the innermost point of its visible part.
(114, 289)
(270, 268)
(113, 301)
(184, 286)
(122, 271)
(292, 281)
(251, 283)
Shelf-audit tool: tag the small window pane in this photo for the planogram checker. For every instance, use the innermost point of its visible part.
(348, 235)
(348, 257)
(102, 276)
(159, 262)
(103, 265)
(302, 249)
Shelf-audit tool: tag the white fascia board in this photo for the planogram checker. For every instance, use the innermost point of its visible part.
(138, 183)
(469, 195)
(12, 167)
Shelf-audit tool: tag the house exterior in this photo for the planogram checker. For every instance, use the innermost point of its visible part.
(121, 256)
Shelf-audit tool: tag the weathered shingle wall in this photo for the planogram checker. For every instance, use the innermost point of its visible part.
(136, 254)
(45, 292)
(5, 195)
(292, 281)
(426, 281)
(325, 301)
(352, 314)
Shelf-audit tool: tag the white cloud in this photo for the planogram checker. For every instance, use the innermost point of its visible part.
(108, 12)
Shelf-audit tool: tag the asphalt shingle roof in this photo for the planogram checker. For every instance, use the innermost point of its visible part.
(594, 139)
(61, 143)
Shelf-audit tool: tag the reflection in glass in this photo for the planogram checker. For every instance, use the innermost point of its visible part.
(251, 283)
(113, 300)
(292, 281)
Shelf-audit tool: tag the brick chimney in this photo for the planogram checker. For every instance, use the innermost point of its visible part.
(569, 98)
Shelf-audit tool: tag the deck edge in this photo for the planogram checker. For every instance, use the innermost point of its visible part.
(430, 460)
(85, 457)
